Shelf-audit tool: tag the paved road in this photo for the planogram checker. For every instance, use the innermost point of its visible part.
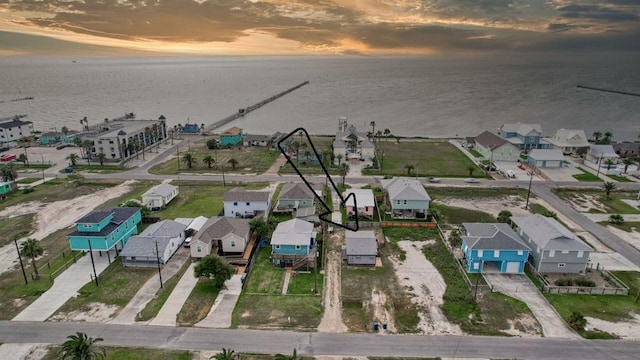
(315, 344)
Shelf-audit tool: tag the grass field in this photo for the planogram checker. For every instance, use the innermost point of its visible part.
(198, 303)
(628, 226)
(15, 228)
(28, 180)
(458, 215)
(586, 176)
(429, 158)
(619, 178)
(124, 353)
(615, 205)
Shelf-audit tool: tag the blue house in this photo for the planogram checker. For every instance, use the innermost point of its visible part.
(105, 229)
(293, 243)
(524, 136)
(231, 136)
(493, 248)
(50, 138)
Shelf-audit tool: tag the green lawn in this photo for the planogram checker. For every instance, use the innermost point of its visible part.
(429, 158)
(586, 176)
(474, 193)
(15, 228)
(619, 178)
(303, 283)
(265, 277)
(614, 205)
(124, 353)
(28, 180)
(198, 303)
(628, 226)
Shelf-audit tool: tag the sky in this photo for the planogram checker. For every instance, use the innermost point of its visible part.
(308, 27)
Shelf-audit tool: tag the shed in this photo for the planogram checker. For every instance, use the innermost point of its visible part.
(546, 158)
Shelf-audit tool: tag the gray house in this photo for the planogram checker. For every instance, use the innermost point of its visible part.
(554, 249)
(546, 158)
(407, 198)
(361, 247)
(140, 250)
(295, 196)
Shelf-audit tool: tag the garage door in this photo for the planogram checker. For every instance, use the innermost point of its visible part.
(513, 267)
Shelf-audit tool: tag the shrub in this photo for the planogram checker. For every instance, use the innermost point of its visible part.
(583, 281)
(28, 190)
(212, 144)
(577, 321)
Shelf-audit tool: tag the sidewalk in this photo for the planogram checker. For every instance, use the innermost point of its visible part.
(169, 312)
(64, 288)
(222, 309)
(150, 288)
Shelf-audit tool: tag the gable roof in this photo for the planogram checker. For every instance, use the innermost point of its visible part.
(548, 233)
(164, 228)
(606, 151)
(293, 232)
(546, 154)
(14, 123)
(163, 190)
(405, 189)
(197, 223)
(492, 236)
(521, 128)
(295, 191)
(120, 215)
(364, 197)
(489, 140)
(218, 227)
(231, 131)
(569, 137)
(626, 146)
(240, 194)
(144, 246)
(361, 242)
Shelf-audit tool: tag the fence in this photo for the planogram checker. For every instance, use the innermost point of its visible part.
(60, 263)
(407, 224)
(620, 288)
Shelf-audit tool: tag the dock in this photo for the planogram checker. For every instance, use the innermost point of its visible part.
(14, 100)
(243, 111)
(607, 90)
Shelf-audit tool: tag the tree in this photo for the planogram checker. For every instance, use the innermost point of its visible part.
(436, 214)
(616, 219)
(373, 127)
(23, 159)
(226, 354)
(339, 157)
(144, 210)
(214, 268)
(326, 157)
(386, 133)
(596, 136)
(233, 163)
(31, 248)
(409, 168)
(608, 187)
(135, 143)
(87, 145)
(75, 179)
(208, 160)
(504, 216)
(189, 159)
(609, 163)
(259, 227)
(82, 347)
(607, 138)
(9, 172)
(471, 168)
(577, 321)
(307, 154)
(64, 130)
(101, 156)
(293, 356)
(378, 135)
(73, 159)
(627, 161)
(343, 171)
(212, 144)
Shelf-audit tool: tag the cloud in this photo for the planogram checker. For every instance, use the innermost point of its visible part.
(597, 13)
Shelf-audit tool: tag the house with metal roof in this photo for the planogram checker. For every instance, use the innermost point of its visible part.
(406, 197)
(546, 158)
(295, 195)
(105, 230)
(154, 246)
(493, 247)
(293, 243)
(159, 196)
(239, 202)
(361, 247)
(524, 136)
(554, 249)
(364, 204)
(569, 141)
(495, 148)
(221, 236)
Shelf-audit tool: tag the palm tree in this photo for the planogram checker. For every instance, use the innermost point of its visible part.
(307, 154)
(73, 158)
(155, 133)
(64, 130)
(609, 163)
(226, 354)
(208, 160)
(627, 162)
(596, 136)
(31, 248)
(339, 157)
(386, 133)
(101, 156)
(189, 159)
(608, 187)
(471, 168)
(504, 216)
(409, 168)
(378, 135)
(373, 127)
(136, 145)
(607, 137)
(23, 159)
(233, 163)
(87, 145)
(293, 356)
(82, 347)
(326, 157)
(344, 170)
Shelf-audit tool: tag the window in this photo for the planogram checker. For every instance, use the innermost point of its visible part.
(198, 248)
(233, 243)
(248, 203)
(366, 208)
(496, 253)
(235, 203)
(565, 251)
(480, 253)
(552, 253)
(520, 252)
(297, 247)
(476, 266)
(277, 246)
(405, 202)
(580, 254)
(561, 265)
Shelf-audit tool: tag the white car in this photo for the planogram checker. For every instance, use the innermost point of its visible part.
(471, 180)
(434, 180)
(187, 242)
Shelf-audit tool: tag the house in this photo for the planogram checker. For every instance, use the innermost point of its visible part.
(406, 198)
(546, 158)
(569, 141)
(293, 243)
(231, 137)
(493, 247)
(295, 195)
(495, 148)
(239, 202)
(221, 235)
(364, 200)
(14, 130)
(626, 148)
(163, 238)
(352, 144)
(361, 247)
(524, 136)
(5, 187)
(159, 196)
(603, 157)
(255, 140)
(51, 138)
(106, 229)
(554, 249)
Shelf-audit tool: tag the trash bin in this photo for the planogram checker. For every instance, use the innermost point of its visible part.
(384, 325)
(375, 326)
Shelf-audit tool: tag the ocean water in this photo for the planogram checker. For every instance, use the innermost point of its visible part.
(411, 96)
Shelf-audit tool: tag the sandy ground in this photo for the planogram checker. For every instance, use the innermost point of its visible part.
(629, 330)
(93, 312)
(427, 287)
(332, 318)
(633, 238)
(51, 217)
(23, 351)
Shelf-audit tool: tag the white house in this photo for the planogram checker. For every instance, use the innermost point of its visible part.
(159, 196)
(352, 144)
(495, 148)
(242, 203)
(163, 238)
(13, 130)
(221, 235)
(569, 140)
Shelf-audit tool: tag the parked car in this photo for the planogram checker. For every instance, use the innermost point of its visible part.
(187, 242)
(434, 180)
(471, 180)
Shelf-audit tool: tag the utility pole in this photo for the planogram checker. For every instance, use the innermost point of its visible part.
(223, 181)
(158, 259)
(93, 264)
(526, 206)
(599, 161)
(42, 158)
(178, 153)
(24, 274)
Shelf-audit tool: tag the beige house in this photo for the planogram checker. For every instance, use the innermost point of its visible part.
(221, 235)
(569, 140)
(495, 148)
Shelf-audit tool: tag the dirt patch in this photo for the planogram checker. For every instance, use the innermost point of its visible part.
(594, 276)
(332, 317)
(586, 202)
(93, 312)
(629, 330)
(525, 326)
(513, 203)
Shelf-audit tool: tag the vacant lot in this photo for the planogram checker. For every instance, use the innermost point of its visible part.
(122, 353)
(595, 201)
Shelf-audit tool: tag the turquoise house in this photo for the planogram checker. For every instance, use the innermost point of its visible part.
(5, 187)
(231, 137)
(493, 248)
(293, 242)
(105, 229)
(406, 198)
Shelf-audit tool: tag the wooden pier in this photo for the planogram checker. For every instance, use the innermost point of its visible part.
(607, 90)
(249, 109)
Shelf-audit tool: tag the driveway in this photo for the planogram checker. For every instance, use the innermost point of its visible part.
(520, 287)
(167, 315)
(220, 314)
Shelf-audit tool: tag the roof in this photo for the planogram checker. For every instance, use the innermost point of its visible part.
(606, 151)
(240, 194)
(218, 227)
(232, 131)
(161, 190)
(492, 236)
(164, 228)
(292, 232)
(569, 137)
(338, 143)
(521, 128)
(14, 123)
(295, 191)
(364, 197)
(120, 214)
(144, 246)
(94, 217)
(489, 140)
(626, 146)
(546, 154)
(117, 127)
(197, 223)
(305, 211)
(361, 242)
(250, 138)
(405, 189)
(548, 233)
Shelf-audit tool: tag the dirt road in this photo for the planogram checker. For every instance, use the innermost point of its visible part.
(332, 318)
